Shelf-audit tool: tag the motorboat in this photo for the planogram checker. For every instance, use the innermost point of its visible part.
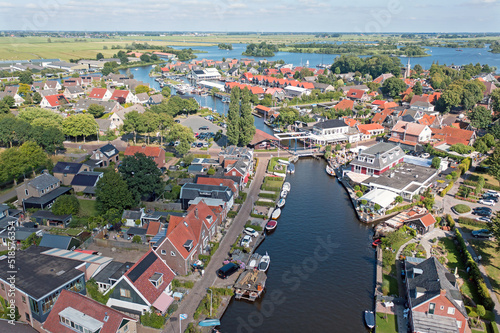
(209, 322)
(287, 187)
(276, 214)
(286, 162)
(254, 261)
(291, 168)
(369, 319)
(264, 263)
(284, 193)
(281, 203)
(330, 171)
(271, 225)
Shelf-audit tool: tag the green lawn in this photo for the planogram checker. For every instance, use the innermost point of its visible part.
(454, 261)
(386, 323)
(70, 231)
(491, 261)
(392, 282)
(87, 208)
(273, 162)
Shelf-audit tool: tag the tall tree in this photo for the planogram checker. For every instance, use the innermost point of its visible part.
(247, 126)
(417, 88)
(142, 176)
(80, 125)
(112, 193)
(393, 86)
(135, 123)
(233, 118)
(65, 205)
(480, 117)
(96, 110)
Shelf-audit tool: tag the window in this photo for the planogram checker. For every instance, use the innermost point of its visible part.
(3, 287)
(125, 328)
(432, 306)
(65, 174)
(27, 316)
(26, 192)
(441, 307)
(172, 253)
(459, 324)
(451, 310)
(124, 293)
(163, 252)
(23, 299)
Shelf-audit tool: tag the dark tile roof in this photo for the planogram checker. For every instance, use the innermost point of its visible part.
(39, 274)
(43, 181)
(45, 214)
(86, 178)
(192, 191)
(131, 214)
(114, 270)
(109, 150)
(67, 167)
(44, 199)
(332, 123)
(19, 327)
(56, 241)
(136, 231)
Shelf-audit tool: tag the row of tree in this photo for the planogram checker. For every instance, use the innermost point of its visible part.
(240, 122)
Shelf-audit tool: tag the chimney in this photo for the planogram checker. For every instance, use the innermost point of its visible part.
(442, 292)
(196, 212)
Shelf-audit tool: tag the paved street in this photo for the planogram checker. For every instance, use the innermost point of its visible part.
(191, 301)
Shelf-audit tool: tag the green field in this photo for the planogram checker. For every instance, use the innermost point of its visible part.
(386, 323)
(87, 208)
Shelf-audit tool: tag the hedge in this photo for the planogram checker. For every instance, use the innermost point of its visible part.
(269, 195)
(461, 209)
(490, 186)
(446, 189)
(475, 274)
(232, 214)
(258, 216)
(465, 199)
(472, 222)
(265, 204)
(399, 208)
(271, 189)
(451, 221)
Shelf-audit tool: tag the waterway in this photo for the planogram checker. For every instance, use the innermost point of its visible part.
(322, 271)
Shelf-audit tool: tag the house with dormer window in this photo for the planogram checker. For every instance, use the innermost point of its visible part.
(377, 159)
(40, 192)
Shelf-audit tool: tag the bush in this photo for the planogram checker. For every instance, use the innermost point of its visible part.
(461, 209)
(137, 239)
(359, 194)
(450, 221)
(253, 226)
(93, 292)
(268, 195)
(265, 204)
(446, 189)
(65, 205)
(258, 216)
(399, 208)
(151, 319)
(232, 214)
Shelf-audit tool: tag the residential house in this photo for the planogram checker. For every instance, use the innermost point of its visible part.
(381, 78)
(323, 87)
(369, 130)
(233, 186)
(40, 280)
(123, 96)
(59, 242)
(142, 98)
(377, 159)
(109, 106)
(345, 89)
(410, 134)
(422, 223)
(13, 92)
(155, 99)
(66, 171)
(106, 155)
(263, 110)
(292, 91)
(357, 95)
(434, 298)
(18, 235)
(73, 92)
(48, 92)
(345, 104)
(53, 102)
(86, 182)
(330, 131)
(74, 312)
(110, 274)
(146, 284)
(40, 192)
(192, 191)
(52, 84)
(156, 153)
(102, 94)
(8, 217)
(46, 217)
(421, 103)
(188, 237)
(130, 217)
(262, 140)
(452, 135)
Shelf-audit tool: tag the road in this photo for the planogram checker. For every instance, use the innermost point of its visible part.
(191, 301)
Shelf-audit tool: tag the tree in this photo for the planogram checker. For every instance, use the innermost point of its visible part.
(135, 123)
(80, 125)
(180, 133)
(399, 199)
(495, 100)
(183, 147)
(480, 310)
(30, 114)
(337, 147)
(494, 162)
(481, 146)
(142, 176)
(461, 148)
(110, 67)
(247, 126)
(48, 137)
(480, 117)
(418, 69)
(233, 118)
(99, 56)
(137, 239)
(9, 100)
(436, 162)
(4, 107)
(393, 86)
(112, 193)
(65, 205)
(37, 98)
(145, 58)
(26, 77)
(142, 89)
(166, 91)
(417, 88)
(96, 110)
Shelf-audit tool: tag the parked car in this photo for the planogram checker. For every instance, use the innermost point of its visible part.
(251, 232)
(483, 212)
(490, 197)
(205, 144)
(493, 193)
(482, 233)
(487, 202)
(245, 241)
(227, 270)
(177, 120)
(199, 144)
(483, 219)
(203, 128)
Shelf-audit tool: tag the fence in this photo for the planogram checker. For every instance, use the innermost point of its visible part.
(121, 245)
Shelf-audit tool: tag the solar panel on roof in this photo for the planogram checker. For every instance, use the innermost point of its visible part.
(142, 267)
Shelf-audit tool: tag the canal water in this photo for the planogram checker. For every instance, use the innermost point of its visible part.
(322, 271)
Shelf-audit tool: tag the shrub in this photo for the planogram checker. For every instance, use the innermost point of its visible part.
(232, 214)
(151, 319)
(461, 209)
(450, 221)
(66, 204)
(359, 194)
(253, 226)
(265, 204)
(137, 239)
(268, 195)
(446, 189)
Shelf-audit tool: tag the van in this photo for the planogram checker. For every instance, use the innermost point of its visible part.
(227, 270)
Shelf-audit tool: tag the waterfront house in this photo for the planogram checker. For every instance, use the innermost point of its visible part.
(156, 153)
(377, 159)
(102, 94)
(188, 237)
(40, 192)
(53, 102)
(434, 298)
(106, 155)
(262, 140)
(422, 223)
(330, 131)
(74, 312)
(123, 96)
(148, 283)
(66, 171)
(231, 184)
(40, 280)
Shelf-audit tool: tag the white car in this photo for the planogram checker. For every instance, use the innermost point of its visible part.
(492, 193)
(245, 241)
(483, 219)
(487, 202)
(251, 232)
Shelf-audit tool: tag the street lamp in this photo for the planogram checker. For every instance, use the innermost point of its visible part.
(211, 294)
(97, 129)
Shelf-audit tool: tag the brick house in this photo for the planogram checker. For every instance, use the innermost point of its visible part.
(435, 302)
(106, 154)
(188, 237)
(410, 134)
(73, 311)
(40, 192)
(156, 153)
(423, 223)
(66, 171)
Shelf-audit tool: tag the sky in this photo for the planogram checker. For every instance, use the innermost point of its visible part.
(361, 16)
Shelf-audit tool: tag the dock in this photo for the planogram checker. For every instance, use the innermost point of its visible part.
(250, 285)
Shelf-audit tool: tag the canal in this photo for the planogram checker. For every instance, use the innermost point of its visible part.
(321, 276)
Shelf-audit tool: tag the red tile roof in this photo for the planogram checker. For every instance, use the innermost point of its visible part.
(427, 120)
(148, 151)
(344, 105)
(427, 219)
(408, 128)
(87, 306)
(409, 143)
(378, 102)
(120, 95)
(260, 136)
(355, 93)
(368, 128)
(218, 182)
(142, 283)
(351, 122)
(452, 135)
(380, 117)
(98, 93)
(263, 108)
(55, 100)
(153, 228)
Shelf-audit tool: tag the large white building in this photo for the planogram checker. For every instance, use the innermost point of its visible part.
(206, 74)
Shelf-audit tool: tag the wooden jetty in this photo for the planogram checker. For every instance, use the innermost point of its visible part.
(250, 285)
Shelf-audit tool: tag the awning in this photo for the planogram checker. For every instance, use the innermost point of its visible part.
(357, 177)
(379, 196)
(163, 302)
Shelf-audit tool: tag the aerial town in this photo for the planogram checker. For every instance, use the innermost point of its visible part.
(146, 188)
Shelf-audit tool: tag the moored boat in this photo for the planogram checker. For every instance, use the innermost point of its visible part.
(369, 319)
(330, 171)
(276, 214)
(286, 162)
(287, 186)
(291, 168)
(264, 263)
(281, 203)
(209, 322)
(284, 193)
(271, 225)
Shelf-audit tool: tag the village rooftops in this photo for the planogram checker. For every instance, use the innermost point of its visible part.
(331, 123)
(403, 177)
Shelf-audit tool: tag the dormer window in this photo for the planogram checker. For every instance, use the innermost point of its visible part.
(156, 279)
(188, 245)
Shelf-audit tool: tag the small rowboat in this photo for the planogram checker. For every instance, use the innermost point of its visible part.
(369, 319)
(271, 225)
(276, 214)
(281, 203)
(209, 322)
